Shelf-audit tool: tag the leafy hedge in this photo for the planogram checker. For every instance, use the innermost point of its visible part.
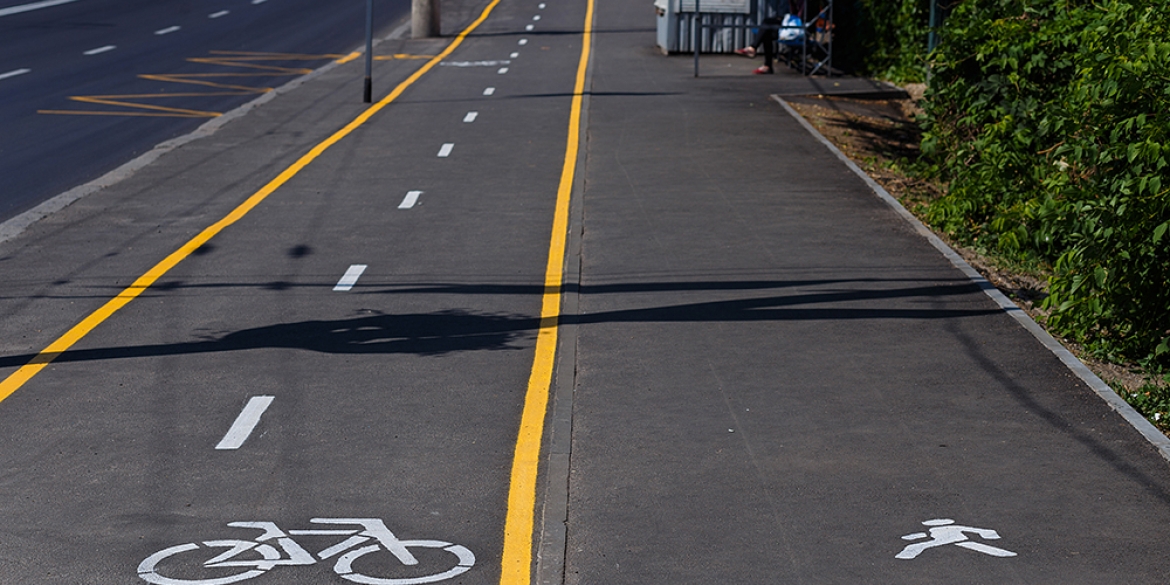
(883, 38)
(1051, 123)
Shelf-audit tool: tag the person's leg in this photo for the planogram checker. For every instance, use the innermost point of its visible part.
(767, 40)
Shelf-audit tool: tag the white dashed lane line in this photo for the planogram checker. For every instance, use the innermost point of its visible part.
(529, 27)
(445, 151)
(100, 50)
(350, 277)
(245, 423)
(219, 14)
(514, 55)
(34, 6)
(489, 91)
(502, 70)
(259, 1)
(410, 200)
(537, 17)
(168, 30)
(470, 117)
(522, 42)
(14, 73)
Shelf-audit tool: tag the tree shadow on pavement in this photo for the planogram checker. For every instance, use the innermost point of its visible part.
(443, 332)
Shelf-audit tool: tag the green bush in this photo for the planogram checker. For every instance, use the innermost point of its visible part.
(883, 38)
(1051, 123)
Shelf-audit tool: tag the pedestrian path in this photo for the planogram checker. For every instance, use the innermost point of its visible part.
(778, 380)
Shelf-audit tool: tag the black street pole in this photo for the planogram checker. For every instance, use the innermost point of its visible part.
(932, 40)
(368, 95)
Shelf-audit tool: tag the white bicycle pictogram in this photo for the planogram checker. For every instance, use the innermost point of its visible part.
(275, 547)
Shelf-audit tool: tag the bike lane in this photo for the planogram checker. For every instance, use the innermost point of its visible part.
(778, 381)
(397, 398)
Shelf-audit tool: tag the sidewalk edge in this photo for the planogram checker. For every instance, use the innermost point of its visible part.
(1160, 441)
(17, 225)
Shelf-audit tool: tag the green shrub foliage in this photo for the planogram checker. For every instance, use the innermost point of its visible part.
(883, 38)
(1050, 120)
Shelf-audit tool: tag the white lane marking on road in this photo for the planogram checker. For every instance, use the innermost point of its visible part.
(410, 199)
(537, 17)
(473, 63)
(529, 27)
(168, 30)
(445, 151)
(522, 42)
(100, 50)
(514, 55)
(470, 117)
(219, 14)
(542, 5)
(33, 6)
(245, 423)
(489, 91)
(502, 70)
(14, 73)
(350, 277)
(259, 1)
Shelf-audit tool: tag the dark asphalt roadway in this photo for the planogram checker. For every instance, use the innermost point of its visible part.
(42, 155)
(764, 374)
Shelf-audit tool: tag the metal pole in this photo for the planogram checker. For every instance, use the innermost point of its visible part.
(368, 94)
(932, 40)
(804, 36)
(695, 31)
(830, 37)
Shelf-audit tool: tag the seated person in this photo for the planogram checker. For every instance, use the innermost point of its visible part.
(767, 36)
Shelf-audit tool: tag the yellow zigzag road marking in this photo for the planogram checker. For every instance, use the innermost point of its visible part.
(133, 103)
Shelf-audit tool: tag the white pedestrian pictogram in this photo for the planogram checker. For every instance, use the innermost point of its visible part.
(944, 531)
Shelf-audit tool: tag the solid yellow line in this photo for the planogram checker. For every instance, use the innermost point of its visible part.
(516, 562)
(18, 378)
(349, 57)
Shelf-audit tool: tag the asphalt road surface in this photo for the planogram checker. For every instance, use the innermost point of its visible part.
(52, 55)
(316, 346)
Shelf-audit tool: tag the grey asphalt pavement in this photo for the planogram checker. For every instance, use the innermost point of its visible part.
(764, 374)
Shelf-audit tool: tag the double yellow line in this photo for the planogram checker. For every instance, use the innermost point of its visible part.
(519, 524)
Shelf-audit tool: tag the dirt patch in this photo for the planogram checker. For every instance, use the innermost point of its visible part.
(882, 138)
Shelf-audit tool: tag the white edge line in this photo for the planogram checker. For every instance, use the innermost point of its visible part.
(1117, 403)
(34, 6)
(350, 278)
(242, 428)
(17, 225)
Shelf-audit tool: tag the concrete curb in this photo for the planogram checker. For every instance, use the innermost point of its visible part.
(17, 225)
(1135, 419)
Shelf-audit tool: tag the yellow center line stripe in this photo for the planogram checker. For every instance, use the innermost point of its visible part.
(21, 376)
(516, 562)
